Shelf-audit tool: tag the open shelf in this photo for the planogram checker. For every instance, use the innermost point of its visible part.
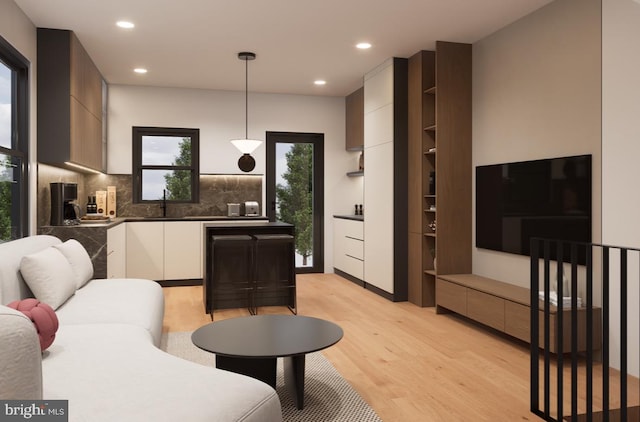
(441, 121)
(355, 173)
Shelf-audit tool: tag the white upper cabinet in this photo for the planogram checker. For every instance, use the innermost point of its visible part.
(378, 126)
(378, 91)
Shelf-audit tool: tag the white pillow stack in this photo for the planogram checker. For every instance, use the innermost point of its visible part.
(79, 259)
(49, 276)
(54, 274)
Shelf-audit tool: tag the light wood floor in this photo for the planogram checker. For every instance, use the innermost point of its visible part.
(407, 362)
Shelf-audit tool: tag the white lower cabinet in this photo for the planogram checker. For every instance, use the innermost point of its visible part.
(116, 251)
(182, 250)
(157, 250)
(348, 247)
(145, 250)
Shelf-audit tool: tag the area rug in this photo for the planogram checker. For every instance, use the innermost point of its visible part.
(328, 397)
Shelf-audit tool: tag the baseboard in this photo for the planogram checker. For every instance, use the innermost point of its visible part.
(349, 277)
(368, 286)
(380, 292)
(178, 283)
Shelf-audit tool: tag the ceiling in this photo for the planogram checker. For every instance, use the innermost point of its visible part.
(194, 43)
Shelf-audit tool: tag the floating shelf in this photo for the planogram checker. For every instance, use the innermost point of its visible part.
(431, 91)
(431, 272)
(355, 173)
(430, 234)
(430, 210)
(430, 196)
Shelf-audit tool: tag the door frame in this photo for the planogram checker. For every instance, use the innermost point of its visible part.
(317, 140)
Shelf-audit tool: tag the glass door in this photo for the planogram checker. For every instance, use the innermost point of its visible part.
(295, 192)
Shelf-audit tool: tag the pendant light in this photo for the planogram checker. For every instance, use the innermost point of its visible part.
(246, 146)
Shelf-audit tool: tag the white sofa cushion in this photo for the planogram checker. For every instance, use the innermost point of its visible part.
(20, 368)
(79, 259)
(112, 372)
(117, 300)
(49, 276)
(12, 285)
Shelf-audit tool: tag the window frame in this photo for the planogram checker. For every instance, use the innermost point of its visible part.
(138, 133)
(19, 65)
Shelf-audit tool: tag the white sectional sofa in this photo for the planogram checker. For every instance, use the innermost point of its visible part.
(105, 360)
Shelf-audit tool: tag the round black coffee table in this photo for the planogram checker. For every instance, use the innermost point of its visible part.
(251, 346)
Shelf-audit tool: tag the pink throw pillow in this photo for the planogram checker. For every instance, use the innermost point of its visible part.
(43, 317)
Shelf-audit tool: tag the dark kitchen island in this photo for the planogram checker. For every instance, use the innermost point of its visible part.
(248, 264)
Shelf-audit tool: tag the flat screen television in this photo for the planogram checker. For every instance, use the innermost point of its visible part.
(548, 198)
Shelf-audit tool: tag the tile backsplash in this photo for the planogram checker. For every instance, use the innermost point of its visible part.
(215, 192)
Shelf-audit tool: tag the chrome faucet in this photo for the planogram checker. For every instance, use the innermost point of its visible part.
(164, 203)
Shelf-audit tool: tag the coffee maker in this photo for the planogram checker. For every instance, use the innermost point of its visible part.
(63, 211)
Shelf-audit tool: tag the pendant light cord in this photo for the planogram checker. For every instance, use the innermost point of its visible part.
(246, 99)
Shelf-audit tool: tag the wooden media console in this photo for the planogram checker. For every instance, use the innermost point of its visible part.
(506, 308)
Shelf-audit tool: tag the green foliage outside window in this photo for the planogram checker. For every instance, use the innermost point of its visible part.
(296, 197)
(5, 200)
(179, 181)
(5, 211)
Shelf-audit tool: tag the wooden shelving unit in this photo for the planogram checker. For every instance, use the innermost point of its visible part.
(439, 120)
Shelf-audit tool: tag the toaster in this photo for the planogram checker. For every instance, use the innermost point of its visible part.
(233, 210)
(251, 209)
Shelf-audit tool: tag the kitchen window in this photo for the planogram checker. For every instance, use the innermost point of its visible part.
(166, 164)
(14, 143)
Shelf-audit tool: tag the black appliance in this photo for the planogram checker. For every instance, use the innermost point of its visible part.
(548, 198)
(63, 211)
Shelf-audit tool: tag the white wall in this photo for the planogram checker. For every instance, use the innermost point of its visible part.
(621, 149)
(536, 94)
(220, 117)
(20, 32)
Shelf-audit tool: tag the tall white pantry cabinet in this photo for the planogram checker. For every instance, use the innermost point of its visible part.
(385, 179)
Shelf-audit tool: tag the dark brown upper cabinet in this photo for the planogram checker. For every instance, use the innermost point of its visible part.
(354, 115)
(69, 102)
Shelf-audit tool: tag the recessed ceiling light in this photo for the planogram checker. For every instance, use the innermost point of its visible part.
(125, 24)
(363, 45)
(140, 70)
(320, 82)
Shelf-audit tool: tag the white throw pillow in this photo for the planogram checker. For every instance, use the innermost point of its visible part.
(79, 259)
(49, 276)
